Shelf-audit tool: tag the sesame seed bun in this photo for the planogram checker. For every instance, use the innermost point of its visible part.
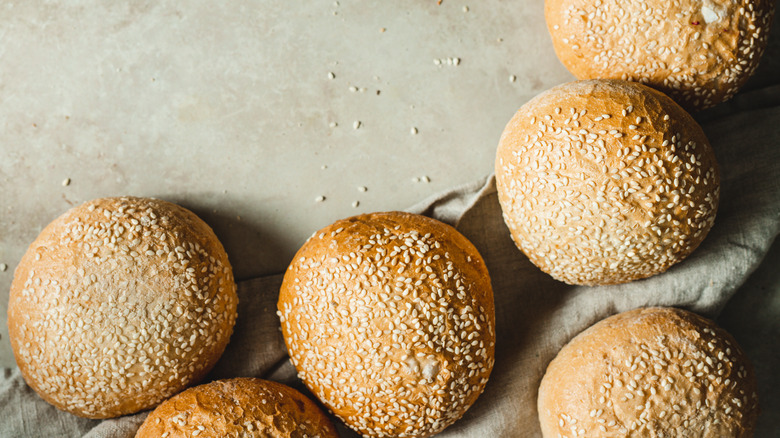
(605, 182)
(389, 320)
(698, 52)
(119, 304)
(656, 372)
(244, 407)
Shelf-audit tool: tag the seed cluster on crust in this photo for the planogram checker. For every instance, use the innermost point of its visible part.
(389, 320)
(240, 407)
(656, 372)
(119, 304)
(604, 182)
(698, 52)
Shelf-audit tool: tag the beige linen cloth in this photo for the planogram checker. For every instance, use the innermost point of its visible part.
(535, 314)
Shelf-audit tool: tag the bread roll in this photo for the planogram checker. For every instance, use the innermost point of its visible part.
(241, 407)
(605, 182)
(698, 52)
(656, 372)
(119, 304)
(389, 320)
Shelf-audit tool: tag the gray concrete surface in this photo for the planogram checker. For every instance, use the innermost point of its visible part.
(227, 108)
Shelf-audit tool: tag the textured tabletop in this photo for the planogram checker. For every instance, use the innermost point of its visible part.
(248, 113)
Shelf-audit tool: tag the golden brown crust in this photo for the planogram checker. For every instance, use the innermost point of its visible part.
(240, 407)
(389, 320)
(698, 52)
(119, 304)
(655, 372)
(605, 181)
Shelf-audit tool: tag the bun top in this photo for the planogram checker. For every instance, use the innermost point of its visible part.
(119, 304)
(241, 407)
(605, 181)
(699, 52)
(656, 372)
(389, 320)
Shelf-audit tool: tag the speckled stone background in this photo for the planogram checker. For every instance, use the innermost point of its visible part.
(229, 110)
